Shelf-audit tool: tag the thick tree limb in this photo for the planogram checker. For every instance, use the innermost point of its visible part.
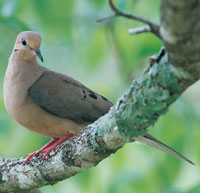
(148, 98)
(180, 31)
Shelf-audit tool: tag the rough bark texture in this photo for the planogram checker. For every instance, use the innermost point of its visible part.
(148, 97)
(180, 31)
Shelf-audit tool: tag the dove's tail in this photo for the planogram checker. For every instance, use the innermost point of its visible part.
(153, 142)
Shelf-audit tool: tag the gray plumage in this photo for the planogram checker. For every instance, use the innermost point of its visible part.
(155, 143)
(65, 97)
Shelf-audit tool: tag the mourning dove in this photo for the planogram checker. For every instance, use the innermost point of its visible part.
(50, 103)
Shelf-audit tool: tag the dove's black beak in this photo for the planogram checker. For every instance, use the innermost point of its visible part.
(39, 55)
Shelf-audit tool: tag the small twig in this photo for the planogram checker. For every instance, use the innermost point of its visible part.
(129, 16)
(153, 27)
(105, 18)
(139, 30)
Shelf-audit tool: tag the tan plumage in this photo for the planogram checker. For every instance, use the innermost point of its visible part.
(47, 102)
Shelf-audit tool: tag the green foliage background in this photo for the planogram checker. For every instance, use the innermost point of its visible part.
(105, 58)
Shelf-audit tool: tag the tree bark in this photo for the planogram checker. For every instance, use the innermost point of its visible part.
(168, 75)
(179, 29)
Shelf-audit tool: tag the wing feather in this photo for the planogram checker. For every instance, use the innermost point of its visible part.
(65, 97)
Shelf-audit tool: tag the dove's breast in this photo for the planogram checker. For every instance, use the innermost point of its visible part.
(24, 110)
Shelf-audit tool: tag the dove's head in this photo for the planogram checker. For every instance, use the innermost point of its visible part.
(28, 44)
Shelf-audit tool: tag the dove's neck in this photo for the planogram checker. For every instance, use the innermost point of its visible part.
(22, 71)
(20, 76)
(26, 56)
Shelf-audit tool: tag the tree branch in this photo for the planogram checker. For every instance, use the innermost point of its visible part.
(106, 18)
(148, 98)
(180, 32)
(141, 105)
(153, 27)
(139, 30)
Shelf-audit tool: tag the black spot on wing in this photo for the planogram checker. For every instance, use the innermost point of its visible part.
(84, 95)
(105, 99)
(88, 119)
(66, 81)
(92, 95)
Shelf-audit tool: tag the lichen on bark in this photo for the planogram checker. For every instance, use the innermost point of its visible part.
(149, 97)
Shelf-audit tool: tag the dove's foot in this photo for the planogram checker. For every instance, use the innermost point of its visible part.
(49, 147)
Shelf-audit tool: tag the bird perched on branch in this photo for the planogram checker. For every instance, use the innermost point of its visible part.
(50, 103)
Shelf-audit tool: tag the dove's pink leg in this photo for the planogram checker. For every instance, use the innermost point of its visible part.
(49, 147)
(58, 142)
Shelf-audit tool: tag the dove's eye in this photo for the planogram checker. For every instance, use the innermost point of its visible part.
(23, 41)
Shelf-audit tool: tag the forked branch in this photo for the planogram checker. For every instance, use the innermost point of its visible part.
(153, 27)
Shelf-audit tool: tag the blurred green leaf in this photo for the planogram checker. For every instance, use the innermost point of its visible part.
(195, 189)
(56, 17)
(122, 5)
(9, 8)
(97, 3)
(126, 182)
(96, 49)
